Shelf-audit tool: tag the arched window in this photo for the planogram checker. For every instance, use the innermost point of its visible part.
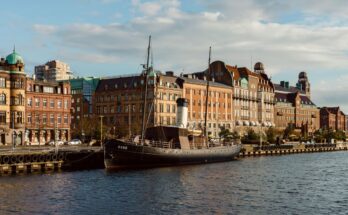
(2, 99)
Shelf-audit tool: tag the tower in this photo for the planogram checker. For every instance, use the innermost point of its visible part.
(304, 84)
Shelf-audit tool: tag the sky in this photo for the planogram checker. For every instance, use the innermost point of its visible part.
(109, 37)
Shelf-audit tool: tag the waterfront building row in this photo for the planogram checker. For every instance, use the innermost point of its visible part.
(31, 111)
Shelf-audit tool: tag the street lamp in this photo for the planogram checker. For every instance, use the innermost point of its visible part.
(101, 131)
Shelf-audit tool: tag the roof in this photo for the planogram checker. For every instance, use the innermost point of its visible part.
(290, 97)
(14, 58)
(333, 110)
(203, 82)
(291, 89)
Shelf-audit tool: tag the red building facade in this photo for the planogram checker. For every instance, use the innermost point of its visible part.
(48, 106)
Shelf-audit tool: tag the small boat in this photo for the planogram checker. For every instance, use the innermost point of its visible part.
(167, 145)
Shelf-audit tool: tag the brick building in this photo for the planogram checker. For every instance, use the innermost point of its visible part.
(219, 104)
(120, 101)
(82, 90)
(12, 99)
(252, 105)
(47, 111)
(333, 118)
(294, 106)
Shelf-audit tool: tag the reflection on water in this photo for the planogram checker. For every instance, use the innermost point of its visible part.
(293, 184)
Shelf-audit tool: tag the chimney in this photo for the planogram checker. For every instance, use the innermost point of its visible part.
(181, 114)
(287, 85)
(282, 83)
(169, 73)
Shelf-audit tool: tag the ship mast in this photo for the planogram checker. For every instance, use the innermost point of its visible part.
(207, 97)
(145, 93)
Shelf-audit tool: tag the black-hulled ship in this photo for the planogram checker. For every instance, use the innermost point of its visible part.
(167, 145)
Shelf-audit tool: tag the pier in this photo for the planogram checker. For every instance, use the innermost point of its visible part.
(48, 159)
(249, 150)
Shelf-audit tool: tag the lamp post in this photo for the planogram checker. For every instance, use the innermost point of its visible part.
(101, 131)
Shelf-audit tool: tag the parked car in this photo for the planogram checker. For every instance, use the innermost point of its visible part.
(74, 142)
(59, 142)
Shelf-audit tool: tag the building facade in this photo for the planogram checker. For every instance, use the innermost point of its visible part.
(294, 106)
(333, 118)
(12, 99)
(252, 103)
(53, 71)
(48, 106)
(82, 90)
(120, 101)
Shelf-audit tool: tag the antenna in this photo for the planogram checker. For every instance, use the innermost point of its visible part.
(251, 62)
(14, 48)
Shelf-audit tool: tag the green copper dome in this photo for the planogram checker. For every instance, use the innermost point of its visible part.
(14, 58)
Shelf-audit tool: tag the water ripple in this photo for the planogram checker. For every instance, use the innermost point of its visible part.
(294, 184)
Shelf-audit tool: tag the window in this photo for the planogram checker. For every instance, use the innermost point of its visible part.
(2, 99)
(19, 117)
(29, 118)
(59, 90)
(44, 102)
(66, 119)
(59, 119)
(52, 118)
(48, 89)
(44, 119)
(2, 82)
(37, 118)
(37, 102)
(59, 103)
(2, 116)
(65, 90)
(78, 109)
(65, 104)
(51, 103)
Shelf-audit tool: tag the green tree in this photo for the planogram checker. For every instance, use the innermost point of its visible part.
(271, 135)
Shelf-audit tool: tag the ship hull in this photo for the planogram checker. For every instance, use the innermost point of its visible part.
(120, 155)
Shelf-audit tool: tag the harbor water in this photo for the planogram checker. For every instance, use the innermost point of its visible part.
(292, 184)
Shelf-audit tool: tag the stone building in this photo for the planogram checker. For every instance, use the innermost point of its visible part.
(53, 71)
(252, 104)
(294, 106)
(47, 111)
(333, 118)
(12, 99)
(120, 101)
(219, 104)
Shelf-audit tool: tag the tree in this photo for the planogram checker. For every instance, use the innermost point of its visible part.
(270, 135)
(250, 136)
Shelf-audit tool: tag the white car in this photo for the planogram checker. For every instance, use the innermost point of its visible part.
(74, 142)
(59, 142)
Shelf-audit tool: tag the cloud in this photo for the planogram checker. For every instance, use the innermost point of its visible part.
(44, 29)
(287, 37)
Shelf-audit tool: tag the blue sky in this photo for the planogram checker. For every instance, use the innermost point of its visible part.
(109, 37)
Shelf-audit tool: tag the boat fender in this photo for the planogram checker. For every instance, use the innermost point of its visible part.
(61, 156)
(48, 157)
(5, 159)
(13, 159)
(27, 158)
(34, 158)
(42, 158)
(20, 158)
(54, 157)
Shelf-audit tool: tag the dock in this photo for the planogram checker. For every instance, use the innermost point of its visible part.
(48, 159)
(249, 150)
